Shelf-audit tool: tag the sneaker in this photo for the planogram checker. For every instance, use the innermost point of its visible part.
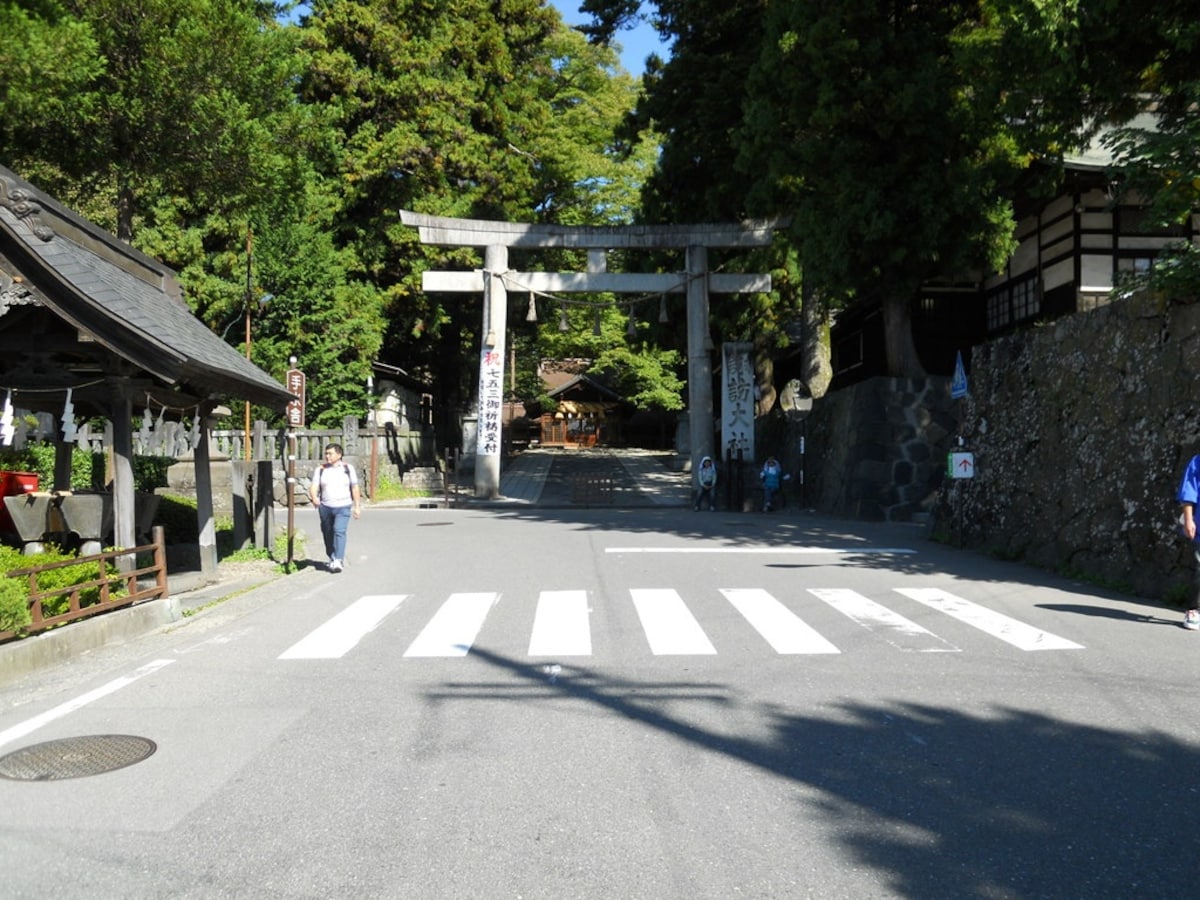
(1191, 620)
(335, 565)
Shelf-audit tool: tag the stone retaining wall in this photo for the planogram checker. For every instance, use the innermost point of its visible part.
(877, 450)
(1080, 430)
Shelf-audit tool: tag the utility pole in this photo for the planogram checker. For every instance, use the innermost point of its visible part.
(247, 301)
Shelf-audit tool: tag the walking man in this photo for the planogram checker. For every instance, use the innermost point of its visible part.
(334, 492)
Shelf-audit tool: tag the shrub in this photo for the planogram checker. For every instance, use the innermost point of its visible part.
(14, 605)
(87, 469)
(177, 516)
(389, 486)
(39, 458)
(64, 577)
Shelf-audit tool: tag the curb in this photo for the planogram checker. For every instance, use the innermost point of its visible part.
(60, 645)
(28, 656)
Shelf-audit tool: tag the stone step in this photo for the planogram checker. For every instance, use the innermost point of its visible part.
(423, 478)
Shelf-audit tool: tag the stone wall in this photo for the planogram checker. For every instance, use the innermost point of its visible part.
(877, 450)
(1080, 430)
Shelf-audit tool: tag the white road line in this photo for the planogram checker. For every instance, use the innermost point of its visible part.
(31, 725)
(1020, 635)
(560, 625)
(833, 551)
(901, 633)
(341, 634)
(783, 629)
(454, 627)
(670, 628)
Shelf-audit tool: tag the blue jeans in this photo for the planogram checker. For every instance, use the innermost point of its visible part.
(334, 522)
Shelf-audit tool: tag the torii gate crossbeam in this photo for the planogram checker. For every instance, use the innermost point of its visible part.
(496, 238)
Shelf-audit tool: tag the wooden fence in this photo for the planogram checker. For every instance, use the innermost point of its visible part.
(113, 590)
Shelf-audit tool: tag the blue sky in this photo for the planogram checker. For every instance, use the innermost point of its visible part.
(636, 44)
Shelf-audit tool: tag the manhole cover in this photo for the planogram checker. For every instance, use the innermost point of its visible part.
(75, 757)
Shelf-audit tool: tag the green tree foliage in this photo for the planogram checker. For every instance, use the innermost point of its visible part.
(695, 102)
(194, 124)
(46, 57)
(436, 109)
(180, 103)
(865, 124)
(478, 109)
(649, 380)
(637, 365)
(1158, 153)
(185, 138)
(891, 133)
(585, 175)
(694, 105)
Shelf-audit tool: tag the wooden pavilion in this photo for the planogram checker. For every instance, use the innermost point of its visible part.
(89, 327)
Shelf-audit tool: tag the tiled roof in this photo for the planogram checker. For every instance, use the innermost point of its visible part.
(120, 298)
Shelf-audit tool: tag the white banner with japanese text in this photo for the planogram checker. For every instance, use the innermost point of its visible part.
(491, 402)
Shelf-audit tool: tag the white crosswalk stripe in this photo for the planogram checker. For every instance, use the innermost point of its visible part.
(454, 627)
(782, 628)
(901, 633)
(1026, 637)
(670, 627)
(340, 634)
(562, 623)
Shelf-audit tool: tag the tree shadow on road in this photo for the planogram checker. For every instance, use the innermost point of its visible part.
(937, 801)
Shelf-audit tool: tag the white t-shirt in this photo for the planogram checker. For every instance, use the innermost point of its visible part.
(333, 482)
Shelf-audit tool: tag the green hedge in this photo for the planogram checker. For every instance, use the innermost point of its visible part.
(87, 469)
(177, 516)
(14, 592)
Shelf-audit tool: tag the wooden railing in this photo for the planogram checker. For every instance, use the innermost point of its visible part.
(104, 584)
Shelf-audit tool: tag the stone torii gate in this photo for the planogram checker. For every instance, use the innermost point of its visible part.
(498, 237)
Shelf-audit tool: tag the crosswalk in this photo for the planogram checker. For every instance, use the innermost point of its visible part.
(563, 623)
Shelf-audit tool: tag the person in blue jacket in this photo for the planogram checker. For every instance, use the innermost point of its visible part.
(771, 477)
(1188, 497)
(706, 484)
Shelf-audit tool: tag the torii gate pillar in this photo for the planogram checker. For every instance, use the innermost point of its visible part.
(699, 351)
(491, 372)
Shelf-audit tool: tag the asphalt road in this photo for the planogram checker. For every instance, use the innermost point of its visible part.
(633, 704)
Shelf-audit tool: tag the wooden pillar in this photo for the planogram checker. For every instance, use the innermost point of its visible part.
(264, 503)
(63, 453)
(124, 507)
(699, 351)
(204, 501)
(489, 440)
